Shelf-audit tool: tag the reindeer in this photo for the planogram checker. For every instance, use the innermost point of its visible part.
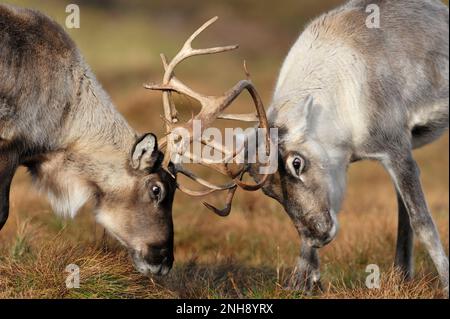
(56, 120)
(347, 93)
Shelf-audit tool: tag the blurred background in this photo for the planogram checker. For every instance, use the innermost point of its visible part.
(250, 253)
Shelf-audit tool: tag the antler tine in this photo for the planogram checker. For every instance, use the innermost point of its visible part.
(250, 117)
(169, 102)
(194, 35)
(211, 187)
(229, 201)
(219, 167)
(169, 108)
(187, 50)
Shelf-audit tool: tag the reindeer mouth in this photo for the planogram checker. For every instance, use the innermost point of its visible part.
(141, 263)
(146, 268)
(318, 230)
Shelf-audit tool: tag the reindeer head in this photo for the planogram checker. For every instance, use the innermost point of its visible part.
(310, 179)
(137, 209)
(132, 194)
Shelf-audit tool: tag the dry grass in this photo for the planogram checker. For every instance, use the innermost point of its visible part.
(33, 266)
(251, 253)
(247, 255)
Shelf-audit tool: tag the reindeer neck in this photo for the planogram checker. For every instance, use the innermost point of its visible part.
(94, 121)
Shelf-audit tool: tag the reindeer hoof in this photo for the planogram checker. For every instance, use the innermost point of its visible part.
(306, 283)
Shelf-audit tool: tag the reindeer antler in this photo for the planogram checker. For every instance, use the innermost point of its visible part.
(212, 108)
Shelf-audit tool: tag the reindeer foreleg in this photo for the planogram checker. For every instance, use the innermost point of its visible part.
(406, 176)
(7, 169)
(306, 276)
(404, 260)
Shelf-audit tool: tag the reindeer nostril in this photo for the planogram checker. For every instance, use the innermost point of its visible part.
(157, 254)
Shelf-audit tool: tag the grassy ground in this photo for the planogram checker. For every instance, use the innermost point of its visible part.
(249, 254)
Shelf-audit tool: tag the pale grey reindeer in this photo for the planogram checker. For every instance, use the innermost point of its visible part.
(56, 120)
(347, 92)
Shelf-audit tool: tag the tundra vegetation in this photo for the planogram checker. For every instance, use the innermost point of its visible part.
(250, 253)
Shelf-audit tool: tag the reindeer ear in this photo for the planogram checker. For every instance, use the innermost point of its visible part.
(306, 112)
(145, 152)
(307, 106)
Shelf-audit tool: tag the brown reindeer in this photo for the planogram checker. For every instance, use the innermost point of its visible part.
(56, 120)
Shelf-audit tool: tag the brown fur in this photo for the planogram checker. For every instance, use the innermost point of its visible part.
(56, 120)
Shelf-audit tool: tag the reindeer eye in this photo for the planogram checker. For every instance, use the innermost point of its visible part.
(156, 190)
(296, 164)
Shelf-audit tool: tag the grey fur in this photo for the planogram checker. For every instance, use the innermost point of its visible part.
(378, 94)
